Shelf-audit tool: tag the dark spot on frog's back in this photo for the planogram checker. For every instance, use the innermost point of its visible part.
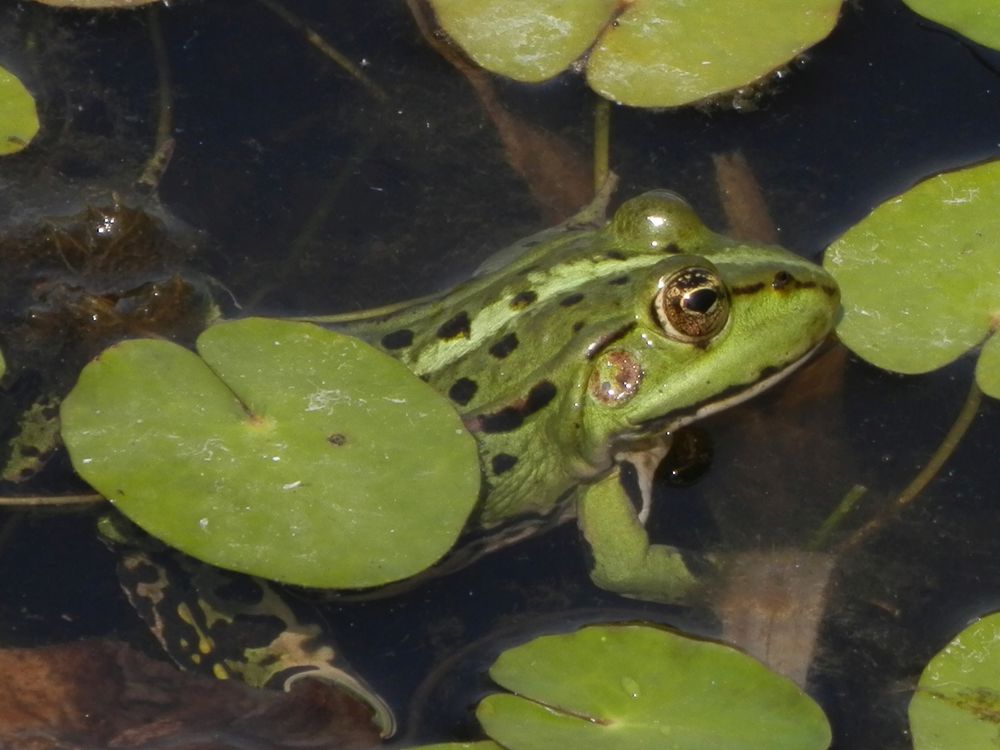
(397, 339)
(241, 589)
(618, 280)
(522, 299)
(748, 289)
(571, 299)
(337, 438)
(143, 572)
(503, 462)
(502, 348)
(458, 326)
(511, 417)
(462, 391)
(248, 630)
(781, 280)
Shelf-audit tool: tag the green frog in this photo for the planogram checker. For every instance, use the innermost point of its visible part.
(571, 357)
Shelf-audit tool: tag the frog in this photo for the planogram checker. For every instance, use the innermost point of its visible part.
(573, 358)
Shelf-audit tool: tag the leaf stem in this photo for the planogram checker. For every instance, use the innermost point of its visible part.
(40, 501)
(163, 147)
(327, 49)
(602, 141)
(944, 451)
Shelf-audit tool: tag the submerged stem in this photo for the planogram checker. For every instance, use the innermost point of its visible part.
(602, 141)
(163, 146)
(924, 476)
(327, 49)
(40, 501)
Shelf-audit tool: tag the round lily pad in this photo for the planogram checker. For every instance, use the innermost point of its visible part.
(957, 703)
(666, 53)
(918, 276)
(639, 687)
(285, 450)
(977, 19)
(18, 116)
(646, 53)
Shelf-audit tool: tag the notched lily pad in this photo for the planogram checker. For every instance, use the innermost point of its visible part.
(977, 19)
(641, 687)
(957, 703)
(918, 276)
(645, 53)
(285, 450)
(18, 116)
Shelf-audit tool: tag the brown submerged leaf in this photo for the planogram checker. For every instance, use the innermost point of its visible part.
(559, 178)
(106, 694)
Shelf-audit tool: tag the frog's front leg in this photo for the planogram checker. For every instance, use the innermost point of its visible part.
(625, 561)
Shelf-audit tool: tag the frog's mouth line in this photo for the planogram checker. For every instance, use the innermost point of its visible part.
(731, 397)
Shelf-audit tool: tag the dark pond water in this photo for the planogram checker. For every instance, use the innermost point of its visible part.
(301, 192)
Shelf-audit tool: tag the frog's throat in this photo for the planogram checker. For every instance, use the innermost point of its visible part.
(732, 397)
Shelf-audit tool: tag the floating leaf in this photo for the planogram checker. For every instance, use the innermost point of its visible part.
(637, 687)
(18, 117)
(977, 19)
(957, 703)
(528, 40)
(656, 53)
(286, 451)
(666, 53)
(918, 276)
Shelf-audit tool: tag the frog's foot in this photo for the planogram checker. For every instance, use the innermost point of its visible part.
(624, 560)
(233, 626)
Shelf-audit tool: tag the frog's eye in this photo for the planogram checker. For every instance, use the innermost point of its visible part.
(692, 304)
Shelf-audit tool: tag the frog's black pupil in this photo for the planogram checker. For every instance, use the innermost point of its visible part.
(701, 300)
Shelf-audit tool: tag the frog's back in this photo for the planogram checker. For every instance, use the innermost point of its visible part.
(526, 350)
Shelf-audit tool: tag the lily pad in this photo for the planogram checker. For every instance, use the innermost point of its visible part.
(636, 687)
(528, 40)
(957, 703)
(918, 276)
(285, 450)
(646, 53)
(977, 19)
(18, 116)
(666, 53)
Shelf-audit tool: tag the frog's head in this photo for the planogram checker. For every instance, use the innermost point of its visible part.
(710, 324)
